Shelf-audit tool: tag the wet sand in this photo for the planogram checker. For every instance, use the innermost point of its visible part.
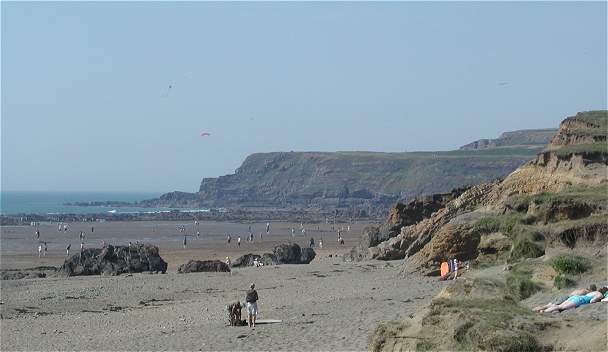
(19, 247)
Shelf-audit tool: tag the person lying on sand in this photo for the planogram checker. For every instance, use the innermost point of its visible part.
(561, 299)
(579, 300)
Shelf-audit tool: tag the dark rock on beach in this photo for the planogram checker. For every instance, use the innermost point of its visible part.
(287, 253)
(115, 260)
(291, 253)
(248, 259)
(16, 275)
(195, 266)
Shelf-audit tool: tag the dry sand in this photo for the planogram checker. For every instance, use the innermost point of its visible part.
(325, 305)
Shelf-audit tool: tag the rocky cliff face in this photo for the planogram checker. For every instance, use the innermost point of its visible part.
(522, 236)
(576, 155)
(347, 179)
(532, 138)
(565, 184)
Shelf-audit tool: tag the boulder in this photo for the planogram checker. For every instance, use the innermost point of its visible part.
(115, 260)
(195, 266)
(292, 253)
(245, 260)
(307, 255)
(287, 253)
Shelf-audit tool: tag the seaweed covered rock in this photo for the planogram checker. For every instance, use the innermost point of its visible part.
(115, 260)
(195, 266)
(17, 275)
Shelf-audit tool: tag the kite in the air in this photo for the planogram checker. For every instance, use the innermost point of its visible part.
(205, 134)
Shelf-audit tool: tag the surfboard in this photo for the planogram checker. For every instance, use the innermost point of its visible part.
(267, 321)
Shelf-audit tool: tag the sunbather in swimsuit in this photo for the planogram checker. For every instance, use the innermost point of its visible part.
(579, 300)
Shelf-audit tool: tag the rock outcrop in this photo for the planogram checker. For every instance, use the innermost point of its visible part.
(195, 266)
(400, 215)
(115, 260)
(287, 253)
(576, 157)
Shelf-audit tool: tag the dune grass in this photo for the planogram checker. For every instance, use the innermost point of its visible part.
(570, 264)
(563, 281)
(518, 282)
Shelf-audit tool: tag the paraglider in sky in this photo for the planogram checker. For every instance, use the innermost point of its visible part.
(205, 134)
(166, 94)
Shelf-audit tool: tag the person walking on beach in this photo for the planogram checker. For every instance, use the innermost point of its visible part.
(238, 241)
(312, 243)
(67, 250)
(321, 243)
(293, 232)
(185, 241)
(252, 305)
(267, 228)
(39, 250)
(260, 236)
(92, 229)
(198, 234)
(228, 239)
(45, 248)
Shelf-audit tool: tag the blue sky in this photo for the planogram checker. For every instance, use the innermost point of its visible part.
(86, 103)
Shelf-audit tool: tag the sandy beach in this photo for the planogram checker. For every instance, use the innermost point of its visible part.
(19, 247)
(325, 305)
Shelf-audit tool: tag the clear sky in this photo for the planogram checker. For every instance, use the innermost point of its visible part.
(86, 103)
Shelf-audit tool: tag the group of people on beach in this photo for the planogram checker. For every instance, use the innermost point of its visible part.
(61, 227)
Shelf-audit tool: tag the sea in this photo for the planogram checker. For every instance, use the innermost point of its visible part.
(49, 203)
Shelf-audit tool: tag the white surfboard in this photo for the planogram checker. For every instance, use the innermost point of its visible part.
(267, 321)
